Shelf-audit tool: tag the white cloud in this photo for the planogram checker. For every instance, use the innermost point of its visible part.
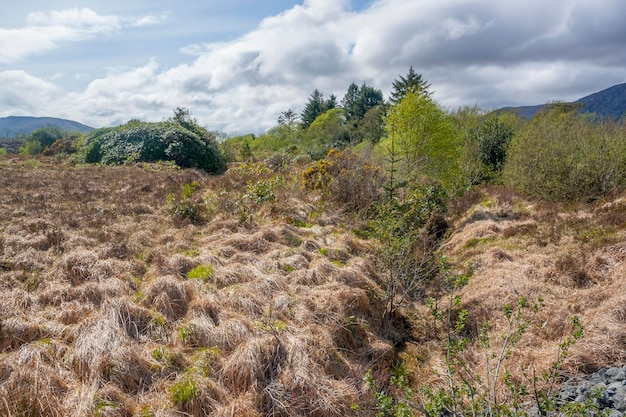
(26, 94)
(46, 31)
(148, 20)
(483, 52)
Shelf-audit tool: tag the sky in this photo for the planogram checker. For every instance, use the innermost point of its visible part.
(237, 64)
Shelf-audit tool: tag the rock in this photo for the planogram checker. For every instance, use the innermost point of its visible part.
(607, 385)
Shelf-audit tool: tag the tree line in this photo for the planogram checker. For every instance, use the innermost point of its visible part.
(558, 154)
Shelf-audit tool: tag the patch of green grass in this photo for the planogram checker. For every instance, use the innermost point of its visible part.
(145, 412)
(103, 407)
(32, 163)
(184, 391)
(201, 272)
(300, 223)
(204, 359)
(192, 253)
(187, 333)
(476, 241)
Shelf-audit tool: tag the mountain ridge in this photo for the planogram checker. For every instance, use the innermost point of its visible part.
(12, 126)
(610, 102)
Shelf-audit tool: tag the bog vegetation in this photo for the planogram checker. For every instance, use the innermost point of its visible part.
(366, 257)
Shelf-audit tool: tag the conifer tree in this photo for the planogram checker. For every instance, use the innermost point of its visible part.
(413, 82)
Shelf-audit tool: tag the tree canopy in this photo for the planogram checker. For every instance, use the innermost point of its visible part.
(316, 106)
(358, 100)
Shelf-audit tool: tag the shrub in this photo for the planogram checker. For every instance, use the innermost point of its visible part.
(493, 391)
(185, 206)
(346, 178)
(407, 236)
(562, 155)
(179, 139)
(61, 146)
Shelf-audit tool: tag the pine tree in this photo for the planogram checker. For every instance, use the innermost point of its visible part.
(358, 100)
(412, 82)
(314, 107)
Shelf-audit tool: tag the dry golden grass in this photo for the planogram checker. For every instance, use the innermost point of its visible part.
(571, 257)
(99, 315)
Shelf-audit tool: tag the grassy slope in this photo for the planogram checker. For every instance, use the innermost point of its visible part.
(98, 315)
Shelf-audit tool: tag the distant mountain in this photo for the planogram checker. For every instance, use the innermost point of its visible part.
(12, 126)
(610, 102)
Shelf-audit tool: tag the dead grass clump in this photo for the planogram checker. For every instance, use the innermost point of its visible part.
(73, 312)
(104, 352)
(574, 270)
(254, 364)
(206, 305)
(336, 299)
(139, 242)
(379, 356)
(245, 405)
(289, 235)
(138, 322)
(79, 266)
(228, 335)
(177, 265)
(16, 332)
(32, 385)
(617, 251)
(311, 395)
(168, 296)
(288, 263)
(321, 271)
(248, 243)
(528, 228)
(110, 401)
(31, 260)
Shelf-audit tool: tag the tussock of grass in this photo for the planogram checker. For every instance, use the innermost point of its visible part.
(169, 296)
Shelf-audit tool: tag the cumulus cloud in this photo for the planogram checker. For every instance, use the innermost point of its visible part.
(26, 93)
(45, 31)
(484, 52)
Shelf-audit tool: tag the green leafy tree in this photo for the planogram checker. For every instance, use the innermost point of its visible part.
(350, 101)
(371, 128)
(47, 135)
(316, 106)
(493, 139)
(40, 139)
(423, 140)
(413, 82)
(329, 130)
(331, 103)
(288, 118)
